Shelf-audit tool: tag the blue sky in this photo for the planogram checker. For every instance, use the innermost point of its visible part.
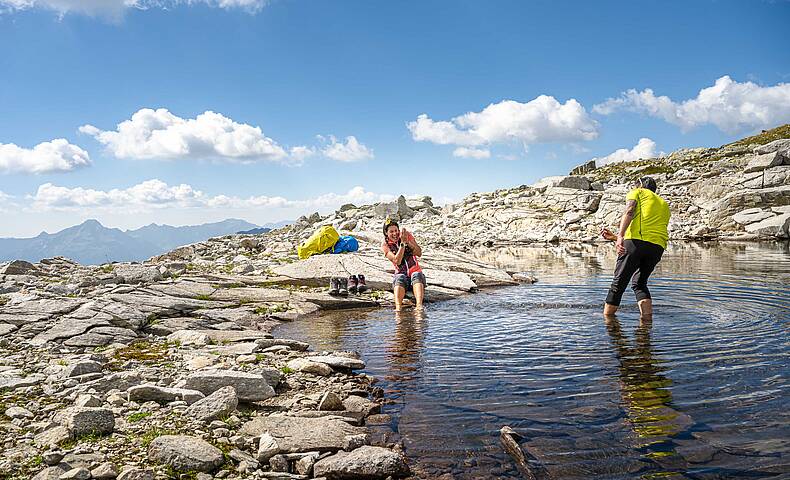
(311, 74)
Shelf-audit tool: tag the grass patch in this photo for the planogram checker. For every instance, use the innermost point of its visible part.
(766, 136)
(136, 417)
(3, 300)
(264, 310)
(143, 351)
(203, 296)
(107, 268)
(286, 369)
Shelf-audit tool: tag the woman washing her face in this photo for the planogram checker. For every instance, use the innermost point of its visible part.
(400, 247)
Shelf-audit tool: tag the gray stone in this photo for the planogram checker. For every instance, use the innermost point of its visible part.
(267, 447)
(292, 344)
(306, 366)
(76, 474)
(762, 162)
(50, 473)
(363, 463)
(52, 437)
(87, 400)
(53, 457)
(82, 367)
(87, 420)
(575, 182)
(330, 401)
(782, 146)
(150, 392)
(222, 402)
(751, 215)
(105, 471)
(189, 337)
(776, 226)
(184, 453)
(132, 273)
(294, 434)
(304, 465)
(19, 267)
(249, 386)
(18, 412)
(134, 473)
(336, 361)
(354, 403)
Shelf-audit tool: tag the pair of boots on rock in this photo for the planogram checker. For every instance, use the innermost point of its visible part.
(341, 286)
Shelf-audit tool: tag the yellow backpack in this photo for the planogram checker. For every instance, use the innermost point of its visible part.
(323, 239)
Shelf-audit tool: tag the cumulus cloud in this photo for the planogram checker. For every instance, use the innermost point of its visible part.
(350, 151)
(55, 156)
(115, 8)
(731, 106)
(466, 152)
(541, 120)
(159, 134)
(644, 148)
(154, 194)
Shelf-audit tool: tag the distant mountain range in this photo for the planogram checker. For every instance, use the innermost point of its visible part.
(92, 243)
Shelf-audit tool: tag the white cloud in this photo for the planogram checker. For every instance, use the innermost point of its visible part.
(156, 194)
(644, 148)
(351, 151)
(55, 156)
(159, 134)
(466, 152)
(115, 8)
(731, 106)
(541, 120)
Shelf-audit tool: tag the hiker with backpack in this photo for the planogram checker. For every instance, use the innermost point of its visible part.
(400, 247)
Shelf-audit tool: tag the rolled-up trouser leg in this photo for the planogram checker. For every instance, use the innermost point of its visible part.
(623, 271)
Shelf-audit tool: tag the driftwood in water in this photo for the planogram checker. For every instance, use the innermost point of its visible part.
(509, 439)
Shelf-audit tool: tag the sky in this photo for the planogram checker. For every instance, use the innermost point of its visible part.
(189, 111)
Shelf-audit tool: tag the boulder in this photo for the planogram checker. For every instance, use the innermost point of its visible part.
(185, 454)
(50, 473)
(397, 210)
(267, 447)
(105, 471)
(19, 267)
(584, 168)
(87, 420)
(296, 434)
(306, 366)
(761, 162)
(776, 226)
(222, 402)
(330, 401)
(82, 367)
(135, 273)
(782, 146)
(751, 215)
(569, 181)
(249, 387)
(367, 463)
(136, 474)
(76, 474)
(52, 437)
(149, 392)
(189, 337)
(336, 361)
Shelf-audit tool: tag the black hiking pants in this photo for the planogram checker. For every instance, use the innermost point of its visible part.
(635, 265)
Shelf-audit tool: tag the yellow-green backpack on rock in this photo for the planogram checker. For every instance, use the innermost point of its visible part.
(323, 239)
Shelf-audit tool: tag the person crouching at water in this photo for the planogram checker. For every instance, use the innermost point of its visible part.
(640, 244)
(402, 250)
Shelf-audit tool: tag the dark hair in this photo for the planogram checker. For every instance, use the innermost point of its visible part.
(648, 183)
(387, 224)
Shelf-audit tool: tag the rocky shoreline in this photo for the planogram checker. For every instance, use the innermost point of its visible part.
(168, 369)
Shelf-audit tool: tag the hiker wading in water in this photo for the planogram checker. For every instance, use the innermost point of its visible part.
(640, 243)
(402, 250)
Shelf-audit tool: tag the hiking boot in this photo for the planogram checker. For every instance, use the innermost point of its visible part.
(343, 286)
(362, 287)
(334, 286)
(352, 284)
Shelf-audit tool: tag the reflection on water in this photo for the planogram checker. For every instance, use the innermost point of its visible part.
(700, 393)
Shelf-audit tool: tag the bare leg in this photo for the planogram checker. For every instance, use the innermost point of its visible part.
(646, 310)
(419, 294)
(609, 310)
(399, 292)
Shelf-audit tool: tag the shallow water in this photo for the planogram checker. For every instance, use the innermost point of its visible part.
(702, 392)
